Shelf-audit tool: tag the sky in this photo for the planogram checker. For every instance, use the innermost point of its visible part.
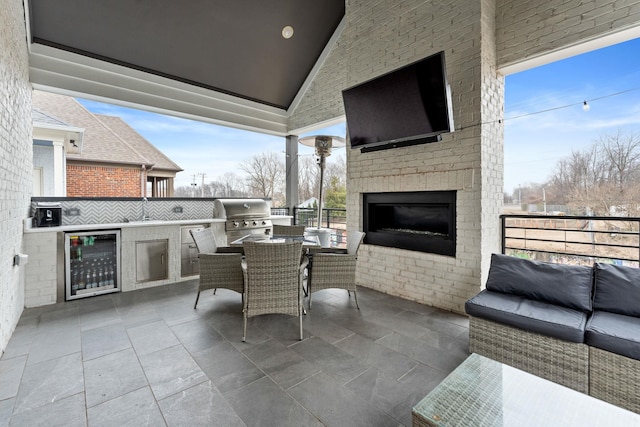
(204, 148)
(535, 140)
(608, 79)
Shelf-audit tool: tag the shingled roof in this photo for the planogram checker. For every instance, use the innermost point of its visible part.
(106, 139)
(44, 118)
(138, 143)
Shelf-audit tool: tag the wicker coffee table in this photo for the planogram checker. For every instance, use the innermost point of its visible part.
(483, 392)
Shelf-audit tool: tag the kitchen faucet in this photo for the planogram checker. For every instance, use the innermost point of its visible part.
(145, 216)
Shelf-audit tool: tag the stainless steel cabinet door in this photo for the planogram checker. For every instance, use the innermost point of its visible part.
(189, 263)
(151, 260)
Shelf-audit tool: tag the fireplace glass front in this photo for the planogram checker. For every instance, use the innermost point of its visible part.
(420, 221)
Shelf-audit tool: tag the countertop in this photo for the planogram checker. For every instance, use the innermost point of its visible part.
(118, 225)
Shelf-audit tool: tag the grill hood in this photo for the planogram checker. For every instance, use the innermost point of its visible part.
(229, 209)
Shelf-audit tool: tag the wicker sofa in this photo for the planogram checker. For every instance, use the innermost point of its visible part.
(574, 325)
(613, 336)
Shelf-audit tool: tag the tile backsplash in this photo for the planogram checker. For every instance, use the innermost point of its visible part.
(78, 211)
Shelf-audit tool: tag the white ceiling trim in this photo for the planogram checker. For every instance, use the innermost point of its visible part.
(569, 51)
(316, 126)
(56, 128)
(72, 74)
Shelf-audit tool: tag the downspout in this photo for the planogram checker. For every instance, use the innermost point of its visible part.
(143, 181)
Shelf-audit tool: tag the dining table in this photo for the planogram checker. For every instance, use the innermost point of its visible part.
(308, 242)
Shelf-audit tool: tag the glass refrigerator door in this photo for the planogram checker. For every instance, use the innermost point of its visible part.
(92, 263)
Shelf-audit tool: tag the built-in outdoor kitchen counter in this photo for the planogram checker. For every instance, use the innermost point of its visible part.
(151, 253)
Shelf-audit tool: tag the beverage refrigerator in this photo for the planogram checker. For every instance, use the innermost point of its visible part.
(92, 261)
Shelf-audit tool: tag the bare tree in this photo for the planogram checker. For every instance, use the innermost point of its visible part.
(183, 191)
(561, 183)
(336, 170)
(230, 185)
(265, 177)
(265, 174)
(603, 178)
(622, 154)
(308, 177)
(216, 189)
(529, 194)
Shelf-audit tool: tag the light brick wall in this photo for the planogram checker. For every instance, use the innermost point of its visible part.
(16, 164)
(42, 270)
(492, 138)
(323, 99)
(103, 181)
(527, 29)
(381, 36)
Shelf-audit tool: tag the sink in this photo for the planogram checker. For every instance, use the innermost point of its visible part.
(146, 221)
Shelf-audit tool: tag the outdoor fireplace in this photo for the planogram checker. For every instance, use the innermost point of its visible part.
(422, 221)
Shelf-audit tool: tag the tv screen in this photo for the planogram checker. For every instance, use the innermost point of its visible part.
(412, 103)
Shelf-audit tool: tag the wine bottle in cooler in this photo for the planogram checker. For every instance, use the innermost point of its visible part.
(81, 280)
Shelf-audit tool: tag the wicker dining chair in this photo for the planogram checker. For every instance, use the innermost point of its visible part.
(205, 240)
(217, 270)
(292, 230)
(288, 230)
(273, 280)
(220, 270)
(334, 269)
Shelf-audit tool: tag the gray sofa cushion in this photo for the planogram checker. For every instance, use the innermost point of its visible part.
(534, 316)
(617, 289)
(565, 285)
(614, 332)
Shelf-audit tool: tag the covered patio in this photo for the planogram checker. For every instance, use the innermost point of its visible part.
(147, 358)
(282, 71)
(354, 367)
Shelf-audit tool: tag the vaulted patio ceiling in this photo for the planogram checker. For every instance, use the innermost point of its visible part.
(223, 61)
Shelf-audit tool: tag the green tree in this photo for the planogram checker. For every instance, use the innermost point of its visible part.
(336, 194)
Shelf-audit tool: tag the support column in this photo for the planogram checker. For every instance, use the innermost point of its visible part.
(291, 179)
(59, 169)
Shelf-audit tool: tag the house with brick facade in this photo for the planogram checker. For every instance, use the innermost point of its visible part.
(81, 154)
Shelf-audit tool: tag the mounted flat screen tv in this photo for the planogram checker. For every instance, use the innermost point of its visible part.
(408, 106)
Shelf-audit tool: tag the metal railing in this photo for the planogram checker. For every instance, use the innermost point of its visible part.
(280, 211)
(572, 239)
(335, 219)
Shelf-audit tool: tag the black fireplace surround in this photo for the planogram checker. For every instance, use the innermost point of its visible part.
(423, 221)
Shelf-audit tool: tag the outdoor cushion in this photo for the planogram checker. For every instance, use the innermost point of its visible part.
(534, 316)
(617, 289)
(565, 285)
(613, 332)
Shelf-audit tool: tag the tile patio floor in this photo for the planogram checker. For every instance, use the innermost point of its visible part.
(146, 358)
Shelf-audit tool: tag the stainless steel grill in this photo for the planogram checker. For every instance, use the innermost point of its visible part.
(243, 216)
